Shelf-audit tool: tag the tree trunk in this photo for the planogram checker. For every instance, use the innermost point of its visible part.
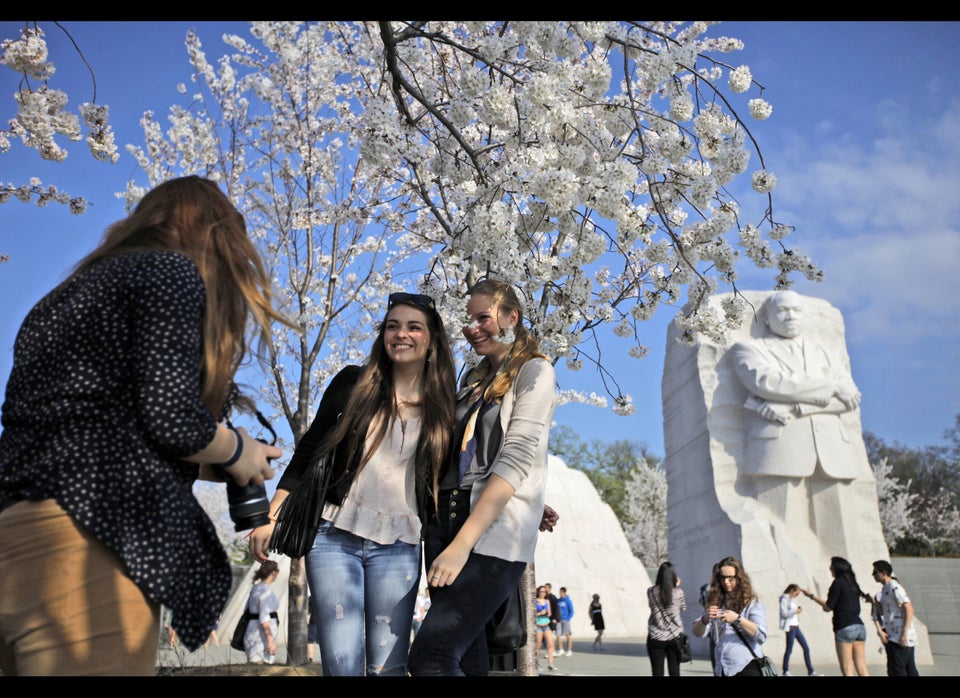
(297, 614)
(527, 655)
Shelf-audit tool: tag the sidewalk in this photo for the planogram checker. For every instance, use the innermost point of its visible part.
(622, 657)
(628, 657)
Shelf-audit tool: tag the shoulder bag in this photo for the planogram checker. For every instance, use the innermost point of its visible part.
(764, 662)
(298, 516)
(237, 641)
(683, 646)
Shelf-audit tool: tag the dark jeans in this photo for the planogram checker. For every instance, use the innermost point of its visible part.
(660, 650)
(452, 640)
(795, 633)
(901, 660)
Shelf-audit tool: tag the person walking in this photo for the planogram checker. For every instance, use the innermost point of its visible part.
(664, 626)
(564, 628)
(596, 620)
(122, 379)
(843, 600)
(388, 425)
(488, 509)
(544, 630)
(790, 623)
(895, 626)
(263, 606)
(737, 619)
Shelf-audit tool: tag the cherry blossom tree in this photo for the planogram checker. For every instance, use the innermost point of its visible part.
(646, 499)
(42, 118)
(592, 164)
(897, 504)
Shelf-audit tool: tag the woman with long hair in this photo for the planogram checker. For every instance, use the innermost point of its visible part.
(485, 514)
(735, 616)
(544, 632)
(667, 602)
(849, 632)
(388, 426)
(121, 378)
(790, 624)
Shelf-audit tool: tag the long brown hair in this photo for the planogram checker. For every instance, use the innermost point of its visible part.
(192, 216)
(373, 396)
(525, 346)
(737, 599)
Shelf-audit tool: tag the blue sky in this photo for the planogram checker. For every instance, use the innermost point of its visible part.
(864, 139)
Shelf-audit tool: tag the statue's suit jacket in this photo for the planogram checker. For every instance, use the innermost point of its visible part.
(823, 432)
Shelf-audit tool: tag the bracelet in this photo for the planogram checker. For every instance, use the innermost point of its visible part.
(236, 454)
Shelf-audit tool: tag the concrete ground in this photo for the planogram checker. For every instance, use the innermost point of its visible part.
(621, 657)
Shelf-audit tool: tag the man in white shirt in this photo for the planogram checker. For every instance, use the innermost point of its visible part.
(895, 622)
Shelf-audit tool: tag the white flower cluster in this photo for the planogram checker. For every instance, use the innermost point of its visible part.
(42, 117)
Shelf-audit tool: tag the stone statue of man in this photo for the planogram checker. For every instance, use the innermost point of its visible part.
(800, 428)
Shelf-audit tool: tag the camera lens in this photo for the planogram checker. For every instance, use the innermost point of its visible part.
(249, 506)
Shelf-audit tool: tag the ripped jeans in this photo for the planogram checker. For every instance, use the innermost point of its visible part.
(362, 595)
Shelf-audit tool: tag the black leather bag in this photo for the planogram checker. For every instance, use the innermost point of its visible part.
(237, 641)
(763, 662)
(507, 628)
(683, 646)
(298, 516)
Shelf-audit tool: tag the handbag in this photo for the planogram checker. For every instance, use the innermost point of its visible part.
(507, 627)
(683, 646)
(236, 641)
(763, 662)
(298, 516)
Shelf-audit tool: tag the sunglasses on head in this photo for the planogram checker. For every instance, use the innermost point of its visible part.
(417, 299)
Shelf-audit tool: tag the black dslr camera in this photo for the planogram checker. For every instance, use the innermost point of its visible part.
(249, 506)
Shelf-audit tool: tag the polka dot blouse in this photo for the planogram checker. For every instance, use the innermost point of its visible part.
(102, 401)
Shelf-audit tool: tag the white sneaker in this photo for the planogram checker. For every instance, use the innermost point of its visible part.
(568, 653)
(814, 673)
(787, 673)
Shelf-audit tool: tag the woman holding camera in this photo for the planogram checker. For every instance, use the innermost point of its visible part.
(120, 378)
(388, 424)
(735, 616)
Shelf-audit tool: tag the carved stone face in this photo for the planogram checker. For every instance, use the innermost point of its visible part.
(784, 313)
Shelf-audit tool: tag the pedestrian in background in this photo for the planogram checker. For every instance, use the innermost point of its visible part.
(895, 626)
(665, 624)
(544, 631)
(738, 620)
(849, 632)
(564, 627)
(596, 620)
(554, 608)
(790, 623)
(263, 606)
(704, 594)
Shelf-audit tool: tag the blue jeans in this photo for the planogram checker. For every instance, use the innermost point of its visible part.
(362, 594)
(452, 640)
(795, 633)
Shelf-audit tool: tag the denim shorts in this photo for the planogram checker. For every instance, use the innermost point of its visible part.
(852, 633)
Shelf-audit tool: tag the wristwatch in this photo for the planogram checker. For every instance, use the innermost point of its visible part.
(736, 624)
